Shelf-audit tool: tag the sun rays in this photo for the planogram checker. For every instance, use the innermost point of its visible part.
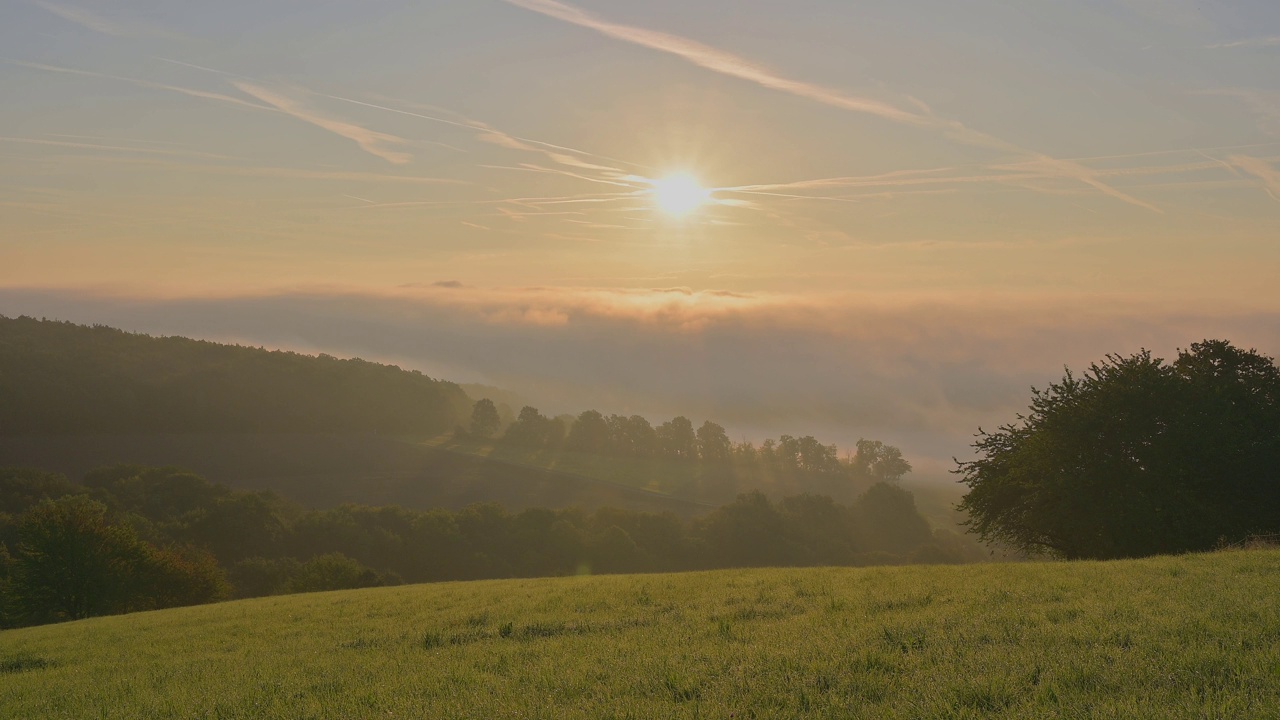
(679, 194)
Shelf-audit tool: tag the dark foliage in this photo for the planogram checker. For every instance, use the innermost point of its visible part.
(59, 377)
(1136, 457)
(722, 468)
(72, 562)
(159, 537)
(484, 418)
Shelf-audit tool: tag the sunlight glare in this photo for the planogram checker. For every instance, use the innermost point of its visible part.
(680, 194)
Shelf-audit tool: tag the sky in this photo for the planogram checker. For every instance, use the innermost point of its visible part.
(911, 212)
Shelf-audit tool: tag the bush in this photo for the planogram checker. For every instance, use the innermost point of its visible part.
(333, 572)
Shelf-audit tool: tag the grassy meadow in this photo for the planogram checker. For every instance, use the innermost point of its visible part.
(1194, 636)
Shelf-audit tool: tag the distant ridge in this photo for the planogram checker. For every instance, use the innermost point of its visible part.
(58, 377)
(320, 430)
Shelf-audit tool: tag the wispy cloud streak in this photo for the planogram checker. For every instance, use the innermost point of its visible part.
(488, 133)
(1009, 174)
(726, 63)
(1272, 41)
(99, 24)
(1260, 169)
(371, 141)
(203, 94)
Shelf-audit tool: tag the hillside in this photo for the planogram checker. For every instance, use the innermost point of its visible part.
(62, 378)
(711, 483)
(326, 470)
(1169, 637)
(324, 431)
(319, 430)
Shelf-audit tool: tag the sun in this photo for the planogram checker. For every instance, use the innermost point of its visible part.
(679, 194)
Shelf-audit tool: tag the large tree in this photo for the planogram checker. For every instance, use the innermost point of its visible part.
(72, 563)
(484, 418)
(880, 462)
(1136, 457)
(713, 443)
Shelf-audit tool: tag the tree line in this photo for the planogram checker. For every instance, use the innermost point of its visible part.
(132, 538)
(788, 464)
(58, 377)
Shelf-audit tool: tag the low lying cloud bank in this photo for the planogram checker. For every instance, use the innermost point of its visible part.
(922, 374)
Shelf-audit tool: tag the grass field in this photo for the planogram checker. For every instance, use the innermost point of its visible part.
(1187, 637)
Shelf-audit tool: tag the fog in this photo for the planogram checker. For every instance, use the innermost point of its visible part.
(921, 375)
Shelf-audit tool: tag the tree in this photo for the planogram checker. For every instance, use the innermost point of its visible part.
(530, 428)
(748, 532)
(1135, 457)
(713, 443)
(72, 563)
(21, 488)
(590, 433)
(677, 439)
(887, 520)
(334, 571)
(484, 418)
(242, 526)
(880, 462)
(816, 457)
(178, 576)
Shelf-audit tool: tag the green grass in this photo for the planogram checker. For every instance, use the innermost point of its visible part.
(1183, 637)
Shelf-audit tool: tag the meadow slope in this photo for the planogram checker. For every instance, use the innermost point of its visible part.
(1195, 636)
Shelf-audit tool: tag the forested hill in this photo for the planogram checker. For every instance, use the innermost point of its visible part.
(58, 377)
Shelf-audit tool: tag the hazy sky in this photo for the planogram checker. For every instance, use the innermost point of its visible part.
(916, 210)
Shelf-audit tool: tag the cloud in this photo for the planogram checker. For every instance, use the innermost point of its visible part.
(1272, 41)
(205, 95)
(371, 141)
(239, 170)
(488, 134)
(99, 24)
(342, 175)
(1019, 174)
(1260, 169)
(726, 63)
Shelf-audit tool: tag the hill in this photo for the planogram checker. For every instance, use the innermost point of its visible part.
(323, 470)
(319, 430)
(324, 431)
(1169, 637)
(63, 378)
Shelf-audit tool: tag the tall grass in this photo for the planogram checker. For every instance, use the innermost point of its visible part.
(1195, 636)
